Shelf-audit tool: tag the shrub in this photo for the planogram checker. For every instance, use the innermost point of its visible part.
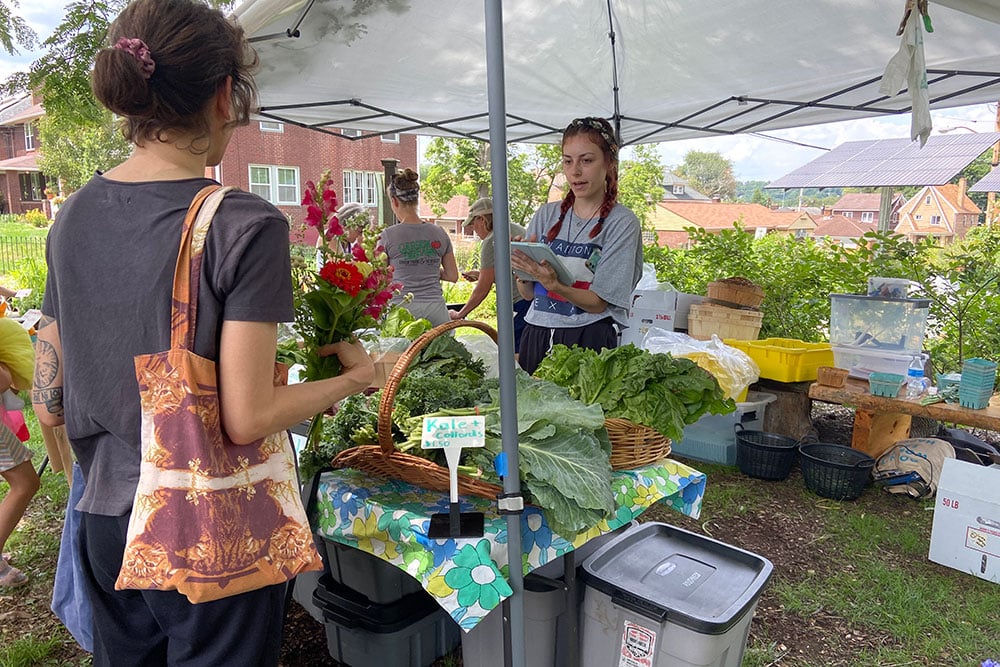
(36, 218)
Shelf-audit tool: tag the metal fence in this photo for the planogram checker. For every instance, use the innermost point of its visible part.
(13, 249)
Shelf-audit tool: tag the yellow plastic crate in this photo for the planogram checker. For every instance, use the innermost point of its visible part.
(786, 359)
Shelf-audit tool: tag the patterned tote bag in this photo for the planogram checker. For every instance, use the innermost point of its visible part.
(210, 518)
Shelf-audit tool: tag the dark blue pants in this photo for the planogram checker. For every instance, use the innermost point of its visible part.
(146, 628)
(537, 341)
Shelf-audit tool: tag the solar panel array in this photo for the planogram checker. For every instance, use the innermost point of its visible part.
(988, 183)
(890, 162)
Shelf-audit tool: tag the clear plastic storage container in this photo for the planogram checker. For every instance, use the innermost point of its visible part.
(878, 324)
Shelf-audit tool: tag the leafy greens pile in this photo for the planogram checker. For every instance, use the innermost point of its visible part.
(443, 375)
(563, 451)
(652, 389)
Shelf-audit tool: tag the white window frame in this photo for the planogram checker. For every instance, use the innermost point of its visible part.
(678, 188)
(391, 138)
(927, 199)
(848, 214)
(867, 216)
(360, 187)
(935, 219)
(272, 126)
(351, 133)
(29, 136)
(276, 192)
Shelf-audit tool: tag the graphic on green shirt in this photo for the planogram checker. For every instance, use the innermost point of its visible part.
(415, 251)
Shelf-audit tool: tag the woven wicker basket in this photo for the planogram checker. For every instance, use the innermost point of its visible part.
(634, 445)
(384, 459)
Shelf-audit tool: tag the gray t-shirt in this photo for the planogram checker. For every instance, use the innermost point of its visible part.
(111, 256)
(487, 253)
(415, 253)
(610, 265)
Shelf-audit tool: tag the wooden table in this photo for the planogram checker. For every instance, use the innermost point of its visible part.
(880, 422)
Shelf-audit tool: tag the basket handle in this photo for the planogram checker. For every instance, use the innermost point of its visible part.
(399, 369)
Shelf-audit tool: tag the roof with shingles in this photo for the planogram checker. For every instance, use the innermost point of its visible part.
(718, 215)
(841, 227)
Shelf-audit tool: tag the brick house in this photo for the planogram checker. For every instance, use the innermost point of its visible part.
(864, 207)
(274, 160)
(943, 212)
(22, 184)
(841, 230)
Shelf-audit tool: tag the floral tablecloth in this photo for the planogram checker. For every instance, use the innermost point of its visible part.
(467, 576)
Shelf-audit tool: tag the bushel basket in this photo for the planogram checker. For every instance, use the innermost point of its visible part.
(634, 445)
(765, 455)
(385, 460)
(835, 471)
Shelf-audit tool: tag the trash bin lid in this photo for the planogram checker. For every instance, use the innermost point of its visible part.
(673, 575)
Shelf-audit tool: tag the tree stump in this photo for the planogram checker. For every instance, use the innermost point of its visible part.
(791, 413)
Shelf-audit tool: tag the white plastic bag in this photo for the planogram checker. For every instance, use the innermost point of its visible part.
(734, 369)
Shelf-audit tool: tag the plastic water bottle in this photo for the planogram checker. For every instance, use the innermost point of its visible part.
(916, 383)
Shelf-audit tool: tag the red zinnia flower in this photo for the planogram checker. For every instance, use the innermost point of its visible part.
(344, 275)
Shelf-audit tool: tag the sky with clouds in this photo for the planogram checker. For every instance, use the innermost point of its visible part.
(753, 158)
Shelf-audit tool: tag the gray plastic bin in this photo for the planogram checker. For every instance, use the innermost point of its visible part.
(667, 597)
(544, 604)
(412, 632)
(376, 579)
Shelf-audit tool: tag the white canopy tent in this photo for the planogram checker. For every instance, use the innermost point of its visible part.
(659, 69)
(677, 69)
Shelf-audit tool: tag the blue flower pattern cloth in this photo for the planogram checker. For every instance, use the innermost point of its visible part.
(468, 576)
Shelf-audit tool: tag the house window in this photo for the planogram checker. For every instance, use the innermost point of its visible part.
(29, 136)
(801, 233)
(278, 185)
(867, 216)
(927, 199)
(271, 126)
(918, 217)
(648, 237)
(848, 214)
(935, 219)
(351, 133)
(391, 138)
(678, 188)
(361, 187)
(32, 186)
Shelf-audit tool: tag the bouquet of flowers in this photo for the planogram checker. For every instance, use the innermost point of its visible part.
(351, 290)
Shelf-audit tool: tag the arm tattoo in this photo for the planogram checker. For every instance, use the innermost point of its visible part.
(50, 398)
(46, 364)
(44, 322)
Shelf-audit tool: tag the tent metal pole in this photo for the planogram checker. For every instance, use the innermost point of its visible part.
(885, 209)
(505, 319)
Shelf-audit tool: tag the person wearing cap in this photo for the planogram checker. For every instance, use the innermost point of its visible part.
(354, 218)
(596, 237)
(480, 219)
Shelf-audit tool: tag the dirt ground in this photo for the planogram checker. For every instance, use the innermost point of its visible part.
(787, 532)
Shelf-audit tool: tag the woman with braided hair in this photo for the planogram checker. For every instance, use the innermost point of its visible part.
(599, 241)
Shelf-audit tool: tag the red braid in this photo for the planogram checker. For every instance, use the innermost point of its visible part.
(610, 198)
(567, 204)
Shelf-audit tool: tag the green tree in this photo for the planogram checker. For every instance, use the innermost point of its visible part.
(639, 182)
(462, 167)
(709, 173)
(14, 31)
(73, 151)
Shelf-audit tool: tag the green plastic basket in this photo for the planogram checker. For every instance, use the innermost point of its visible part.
(885, 384)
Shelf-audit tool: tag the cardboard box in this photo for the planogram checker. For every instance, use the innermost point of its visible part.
(649, 308)
(965, 534)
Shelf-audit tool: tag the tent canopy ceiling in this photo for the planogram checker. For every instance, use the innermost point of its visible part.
(682, 69)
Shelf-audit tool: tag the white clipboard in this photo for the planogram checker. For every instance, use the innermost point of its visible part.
(540, 252)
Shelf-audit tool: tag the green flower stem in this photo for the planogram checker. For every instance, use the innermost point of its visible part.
(315, 435)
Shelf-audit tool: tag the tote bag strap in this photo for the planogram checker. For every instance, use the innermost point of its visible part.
(187, 272)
